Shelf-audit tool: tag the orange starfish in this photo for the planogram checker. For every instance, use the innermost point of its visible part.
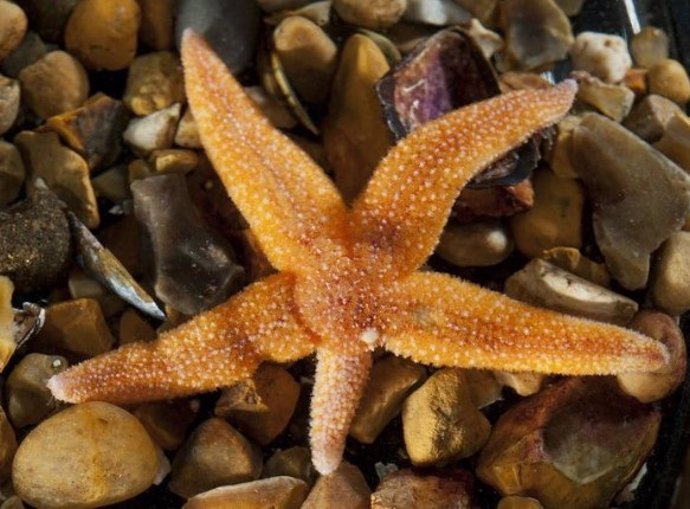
(348, 280)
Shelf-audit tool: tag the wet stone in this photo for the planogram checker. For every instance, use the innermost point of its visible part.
(281, 5)
(214, 455)
(276, 493)
(671, 277)
(572, 446)
(345, 488)
(406, 489)
(166, 421)
(9, 103)
(7, 327)
(440, 421)
(649, 117)
(13, 24)
(81, 285)
(154, 82)
(34, 243)
(103, 34)
(391, 381)
(649, 46)
(669, 78)
(11, 173)
(53, 84)
(153, 132)
(602, 55)
(29, 401)
(293, 462)
(675, 140)
(376, 15)
(570, 7)
(614, 101)
(48, 17)
(261, 406)
(570, 259)
(475, 244)
(194, 268)
(156, 30)
(89, 455)
(13, 502)
(639, 197)
(29, 51)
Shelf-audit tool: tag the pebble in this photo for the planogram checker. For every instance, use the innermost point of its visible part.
(193, 267)
(293, 462)
(639, 197)
(524, 384)
(13, 502)
(49, 17)
(9, 103)
(571, 260)
(480, 244)
(215, 454)
(81, 285)
(103, 34)
(55, 83)
(436, 12)
(260, 407)
(407, 489)
(554, 220)
(173, 160)
(29, 51)
(375, 15)
(308, 56)
(391, 380)
(75, 327)
(570, 7)
(275, 493)
(483, 10)
(669, 78)
(648, 387)
(64, 171)
(156, 30)
(134, 328)
(602, 55)
(542, 284)
(166, 421)
(636, 80)
(547, 439)
(675, 140)
(671, 275)
(488, 41)
(122, 239)
(560, 155)
(514, 502)
(8, 446)
(7, 328)
(35, 243)
(355, 133)
(537, 33)
(187, 135)
(345, 488)
(649, 46)
(13, 25)
(440, 421)
(29, 401)
(89, 455)
(614, 101)
(154, 82)
(153, 132)
(11, 173)
(483, 386)
(319, 12)
(649, 117)
(94, 130)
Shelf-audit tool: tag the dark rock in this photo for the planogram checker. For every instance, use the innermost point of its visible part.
(48, 17)
(29, 51)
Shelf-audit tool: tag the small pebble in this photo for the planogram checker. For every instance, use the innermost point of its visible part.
(571, 260)
(173, 160)
(483, 386)
(187, 134)
(81, 285)
(293, 462)
(8, 446)
(13, 25)
(11, 173)
(524, 384)
(53, 84)
(407, 489)
(134, 328)
(669, 78)
(436, 12)
(9, 103)
(156, 30)
(483, 10)
(89, 455)
(375, 14)
(649, 117)
(154, 82)
(614, 101)
(675, 140)
(272, 108)
(602, 55)
(649, 47)
(570, 7)
(479, 244)
(49, 17)
(13, 502)
(166, 422)
(636, 80)
(153, 132)
(103, 34)
(274, 493)
(29, 51)
(671, 275)
(215, 454)
(7, 328)
(343, 489)
(560, 155)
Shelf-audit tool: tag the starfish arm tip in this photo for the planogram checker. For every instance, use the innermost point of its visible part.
(324, 462)
(59, 387)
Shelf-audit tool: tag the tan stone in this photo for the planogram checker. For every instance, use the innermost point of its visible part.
(602, 55)
(479, 244)
(649, 46)
(275, 493)
(649, 118)
(570, 259)
(11, 173)
(614, 101)
(7, 329)
(166, 421)
(103, 34)
(671, 277)
(173, 160)
(134, 328)
(13, 25)
(89, 455)
(440, 421)
(514, 502)
(524, 384)
(156, 30)
(376, 14)
(343, 489)
(81, 285)
(8, 446)
(187, 134)
(391, 380)
(669, 78)
(293, 462)
(560, 158)
(493, 202)
(675, 140)
(154, 82)
(483, 386)
(9, 103)
(153, 132)
(406, 489)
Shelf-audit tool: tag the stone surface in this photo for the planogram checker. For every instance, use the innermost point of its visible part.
(483, 386)
(543, 284)
(487, 40)
(13, 25)
(29, 401)
(134, 328)
(173, 160)
(671, 275)
(308, 56)
(214, 455)
(345, 488)
(55, 83)
(154, 82)
(554, 220)
(614, 101)
(89, 455)
(571, 260)
(355, 134)
(407, 489)
(649, 46)
(391, 380)
(48, 17)
(639, 197)
(275, 493)
(9, 103)
(675, 141)
(194, 268)
(156, 30)
(572, 446)
(112, 184)
(64, 171)
(166, 421)
(524, 384)
(186, 134)
(570, 7)
(648, 387)
(293, 462)
(103, 34)
(483, 10)
(440, 421)
(153, 132)
(602, 55)
(636, 80)
(35, 243)
(29, 51)
(376, 15)
(277, 113)
(261, 406)
(479, 244)
(649, 117)
(11, 173)
(669, 78)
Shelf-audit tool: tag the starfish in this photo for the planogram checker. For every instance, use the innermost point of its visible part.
(348, 280)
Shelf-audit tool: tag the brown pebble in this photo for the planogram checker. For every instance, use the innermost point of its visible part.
(373, 14)
(669, 78)
(166, 421)
(13, 25)
(293, 462)
(343, 489)
(11, 173)
(154, 82)
(156, 30)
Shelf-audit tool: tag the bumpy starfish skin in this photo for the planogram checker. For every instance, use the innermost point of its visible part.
(348, 283)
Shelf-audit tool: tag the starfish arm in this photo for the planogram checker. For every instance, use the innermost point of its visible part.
(400, 215)
(291, 205)
(444, 321)
(213, 349)
(338, 386)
